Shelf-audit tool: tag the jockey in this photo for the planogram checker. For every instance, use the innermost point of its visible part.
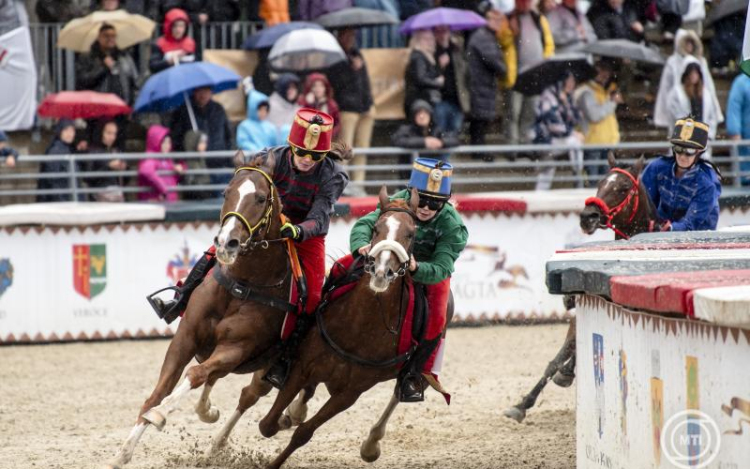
(441, 236)
(309, 182)
(685, 188)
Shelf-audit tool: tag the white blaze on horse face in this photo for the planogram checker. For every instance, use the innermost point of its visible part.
(609, 181)
(393, 226)
(246, 188)
(225, 230)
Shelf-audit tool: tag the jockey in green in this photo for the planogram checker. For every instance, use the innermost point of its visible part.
(441, 236)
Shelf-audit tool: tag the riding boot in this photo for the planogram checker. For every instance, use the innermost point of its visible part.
(279, 371)
(410, 383)
(172, 309)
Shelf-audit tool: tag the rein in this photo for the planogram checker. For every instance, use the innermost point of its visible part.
(609, 213)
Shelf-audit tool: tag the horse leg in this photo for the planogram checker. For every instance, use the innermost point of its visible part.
(248, 398)
(296, 413)
(566, 374)
(336, 404)
(370, 449)
(206, 412)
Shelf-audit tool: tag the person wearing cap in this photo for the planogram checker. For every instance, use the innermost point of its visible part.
(441, 236)
(309, 180)
(685, 188)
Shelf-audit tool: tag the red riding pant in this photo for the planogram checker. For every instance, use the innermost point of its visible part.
(312, 256)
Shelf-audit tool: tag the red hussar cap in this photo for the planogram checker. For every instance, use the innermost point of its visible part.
(311, 130)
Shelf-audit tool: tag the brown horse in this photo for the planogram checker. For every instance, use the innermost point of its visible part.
(622, 205)
(225, 331)
(355, 345)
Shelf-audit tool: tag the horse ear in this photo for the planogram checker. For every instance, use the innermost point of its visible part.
(238, 159)
(383, 196)
(414, 200)
(639, 165)
(611, 159)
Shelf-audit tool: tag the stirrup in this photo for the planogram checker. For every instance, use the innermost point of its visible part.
(170, 310)
(410, 388)
(278, 374)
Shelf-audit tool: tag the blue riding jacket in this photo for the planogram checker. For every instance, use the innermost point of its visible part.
(691, 202)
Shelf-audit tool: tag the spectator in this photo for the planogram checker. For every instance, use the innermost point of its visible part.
(687, 45)
(103, 141)
(570, 27)
(556, 120)
(62, 144)
(485, 64)
(423, 76)
(283, 101)
(106, 68)
(449, 55)
(311, 9)
(351, 86)
(318, 95)
(274, 12)
(422, 132)
(256, 132)
(531, 43)
(738, 119)
(58, 11)
(175, 46)
(8, 155)
(692, 98)
(597, 100)
(726, 45)
(158, 141)
(612, 19)
(196, 142)
(203, 11)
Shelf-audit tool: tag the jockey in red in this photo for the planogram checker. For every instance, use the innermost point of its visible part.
(309, 182)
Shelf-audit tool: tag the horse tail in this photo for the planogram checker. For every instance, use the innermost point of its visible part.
(341, 152)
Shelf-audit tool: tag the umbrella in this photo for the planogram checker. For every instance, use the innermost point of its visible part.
(726, 8)
(82, 105)
(624, 49)
(355, 17)
(456, 19)
(534, 79)
(267, 37)
(168, 89)
(305, 50)
(80, 33)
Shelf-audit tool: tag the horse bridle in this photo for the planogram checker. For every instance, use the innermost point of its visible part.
(265, 220)
(609, 213)
(404, 267)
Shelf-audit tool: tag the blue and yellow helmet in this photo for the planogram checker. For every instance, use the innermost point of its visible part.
(432, 178)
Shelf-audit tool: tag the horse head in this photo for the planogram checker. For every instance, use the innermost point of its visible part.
(250, 201)
(617, 199)
(392, 241)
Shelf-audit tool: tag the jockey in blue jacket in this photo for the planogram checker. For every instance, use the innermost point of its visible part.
(685, 188)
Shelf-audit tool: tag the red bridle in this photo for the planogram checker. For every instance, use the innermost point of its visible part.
(610, 213)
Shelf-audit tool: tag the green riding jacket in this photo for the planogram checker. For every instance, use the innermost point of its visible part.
(439, 241)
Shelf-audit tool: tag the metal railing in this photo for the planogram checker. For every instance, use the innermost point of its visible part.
(387, 166)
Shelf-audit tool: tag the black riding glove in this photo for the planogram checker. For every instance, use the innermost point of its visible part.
(291, 231)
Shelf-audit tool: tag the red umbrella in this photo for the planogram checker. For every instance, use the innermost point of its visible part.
(83, 105)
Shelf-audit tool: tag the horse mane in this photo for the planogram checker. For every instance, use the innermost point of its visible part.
(399, 203)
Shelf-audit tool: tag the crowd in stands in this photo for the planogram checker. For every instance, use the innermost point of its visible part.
(451, 79)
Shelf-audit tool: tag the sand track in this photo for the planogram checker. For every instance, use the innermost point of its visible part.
(71, 406)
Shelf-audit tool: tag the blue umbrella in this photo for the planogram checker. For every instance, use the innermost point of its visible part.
(267, 37)
(456, 19)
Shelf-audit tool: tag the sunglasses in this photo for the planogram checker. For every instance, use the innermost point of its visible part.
(315, 156)
(431, 204)
(676, 149)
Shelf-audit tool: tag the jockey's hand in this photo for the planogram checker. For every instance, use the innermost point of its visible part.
(413, 264)
(666, 226)
(291, 231)
(364, 250)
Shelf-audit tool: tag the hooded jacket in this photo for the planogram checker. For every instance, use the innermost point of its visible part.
(678, 102)
(670, 76)
(56, 147)
(328, 105)
(282, 111)
(148, 167)
(161, 48)
(254, 134)
(413, 136)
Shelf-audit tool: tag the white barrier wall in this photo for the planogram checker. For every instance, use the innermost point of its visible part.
(652, 391)
(79, 283)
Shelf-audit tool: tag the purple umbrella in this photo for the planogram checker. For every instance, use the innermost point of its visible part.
(455, 18)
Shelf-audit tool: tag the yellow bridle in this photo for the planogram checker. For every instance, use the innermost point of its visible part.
(266, 218)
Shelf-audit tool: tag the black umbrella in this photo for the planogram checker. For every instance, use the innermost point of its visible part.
(726, 8)
(534, 79)
(624, 49)
(354, 18)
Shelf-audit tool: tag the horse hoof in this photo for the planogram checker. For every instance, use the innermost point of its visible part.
(562, 380)
(212, 416)
(285, 422)
(515, 413)
(216, 447)
(155, 418)
(370, 454)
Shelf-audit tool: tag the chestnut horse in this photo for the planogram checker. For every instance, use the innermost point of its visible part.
(622, 205)
(224, 332)
(355, 344)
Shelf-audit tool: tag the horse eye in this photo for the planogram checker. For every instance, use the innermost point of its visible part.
(261, 199)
